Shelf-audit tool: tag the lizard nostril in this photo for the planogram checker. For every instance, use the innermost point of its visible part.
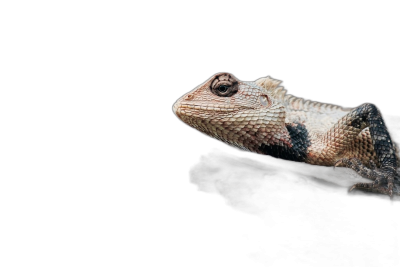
(189, 97)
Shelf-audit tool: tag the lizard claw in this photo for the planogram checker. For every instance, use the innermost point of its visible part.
(352, 188)
(337, 163)
(383, 178)
(369, 187)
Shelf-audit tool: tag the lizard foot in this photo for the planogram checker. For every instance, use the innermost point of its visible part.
(383, 178)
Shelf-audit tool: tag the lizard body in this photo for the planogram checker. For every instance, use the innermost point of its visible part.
(261, 117)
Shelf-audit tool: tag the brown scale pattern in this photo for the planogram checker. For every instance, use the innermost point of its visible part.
(261, 117)
(361, 147)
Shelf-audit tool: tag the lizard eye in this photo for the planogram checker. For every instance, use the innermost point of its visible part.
(224, 85)
(223, 88)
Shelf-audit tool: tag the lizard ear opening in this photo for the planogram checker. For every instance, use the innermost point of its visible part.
(224, 85)
(265, 101)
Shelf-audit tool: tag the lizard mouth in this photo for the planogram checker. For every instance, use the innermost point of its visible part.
(200, 106)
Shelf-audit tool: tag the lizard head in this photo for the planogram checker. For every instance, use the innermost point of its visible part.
(243, 114)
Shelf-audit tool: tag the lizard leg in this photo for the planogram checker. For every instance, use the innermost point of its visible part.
(373, 165)
(366, 116)
(356, 165)
(383, 180)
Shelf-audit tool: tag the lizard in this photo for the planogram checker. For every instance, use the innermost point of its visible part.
(261, 117)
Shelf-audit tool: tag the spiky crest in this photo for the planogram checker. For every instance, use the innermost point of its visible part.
(292, 102)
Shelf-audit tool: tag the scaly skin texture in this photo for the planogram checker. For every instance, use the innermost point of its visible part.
(260, 117)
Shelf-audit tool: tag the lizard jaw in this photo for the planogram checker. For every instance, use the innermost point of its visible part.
(204, 107)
